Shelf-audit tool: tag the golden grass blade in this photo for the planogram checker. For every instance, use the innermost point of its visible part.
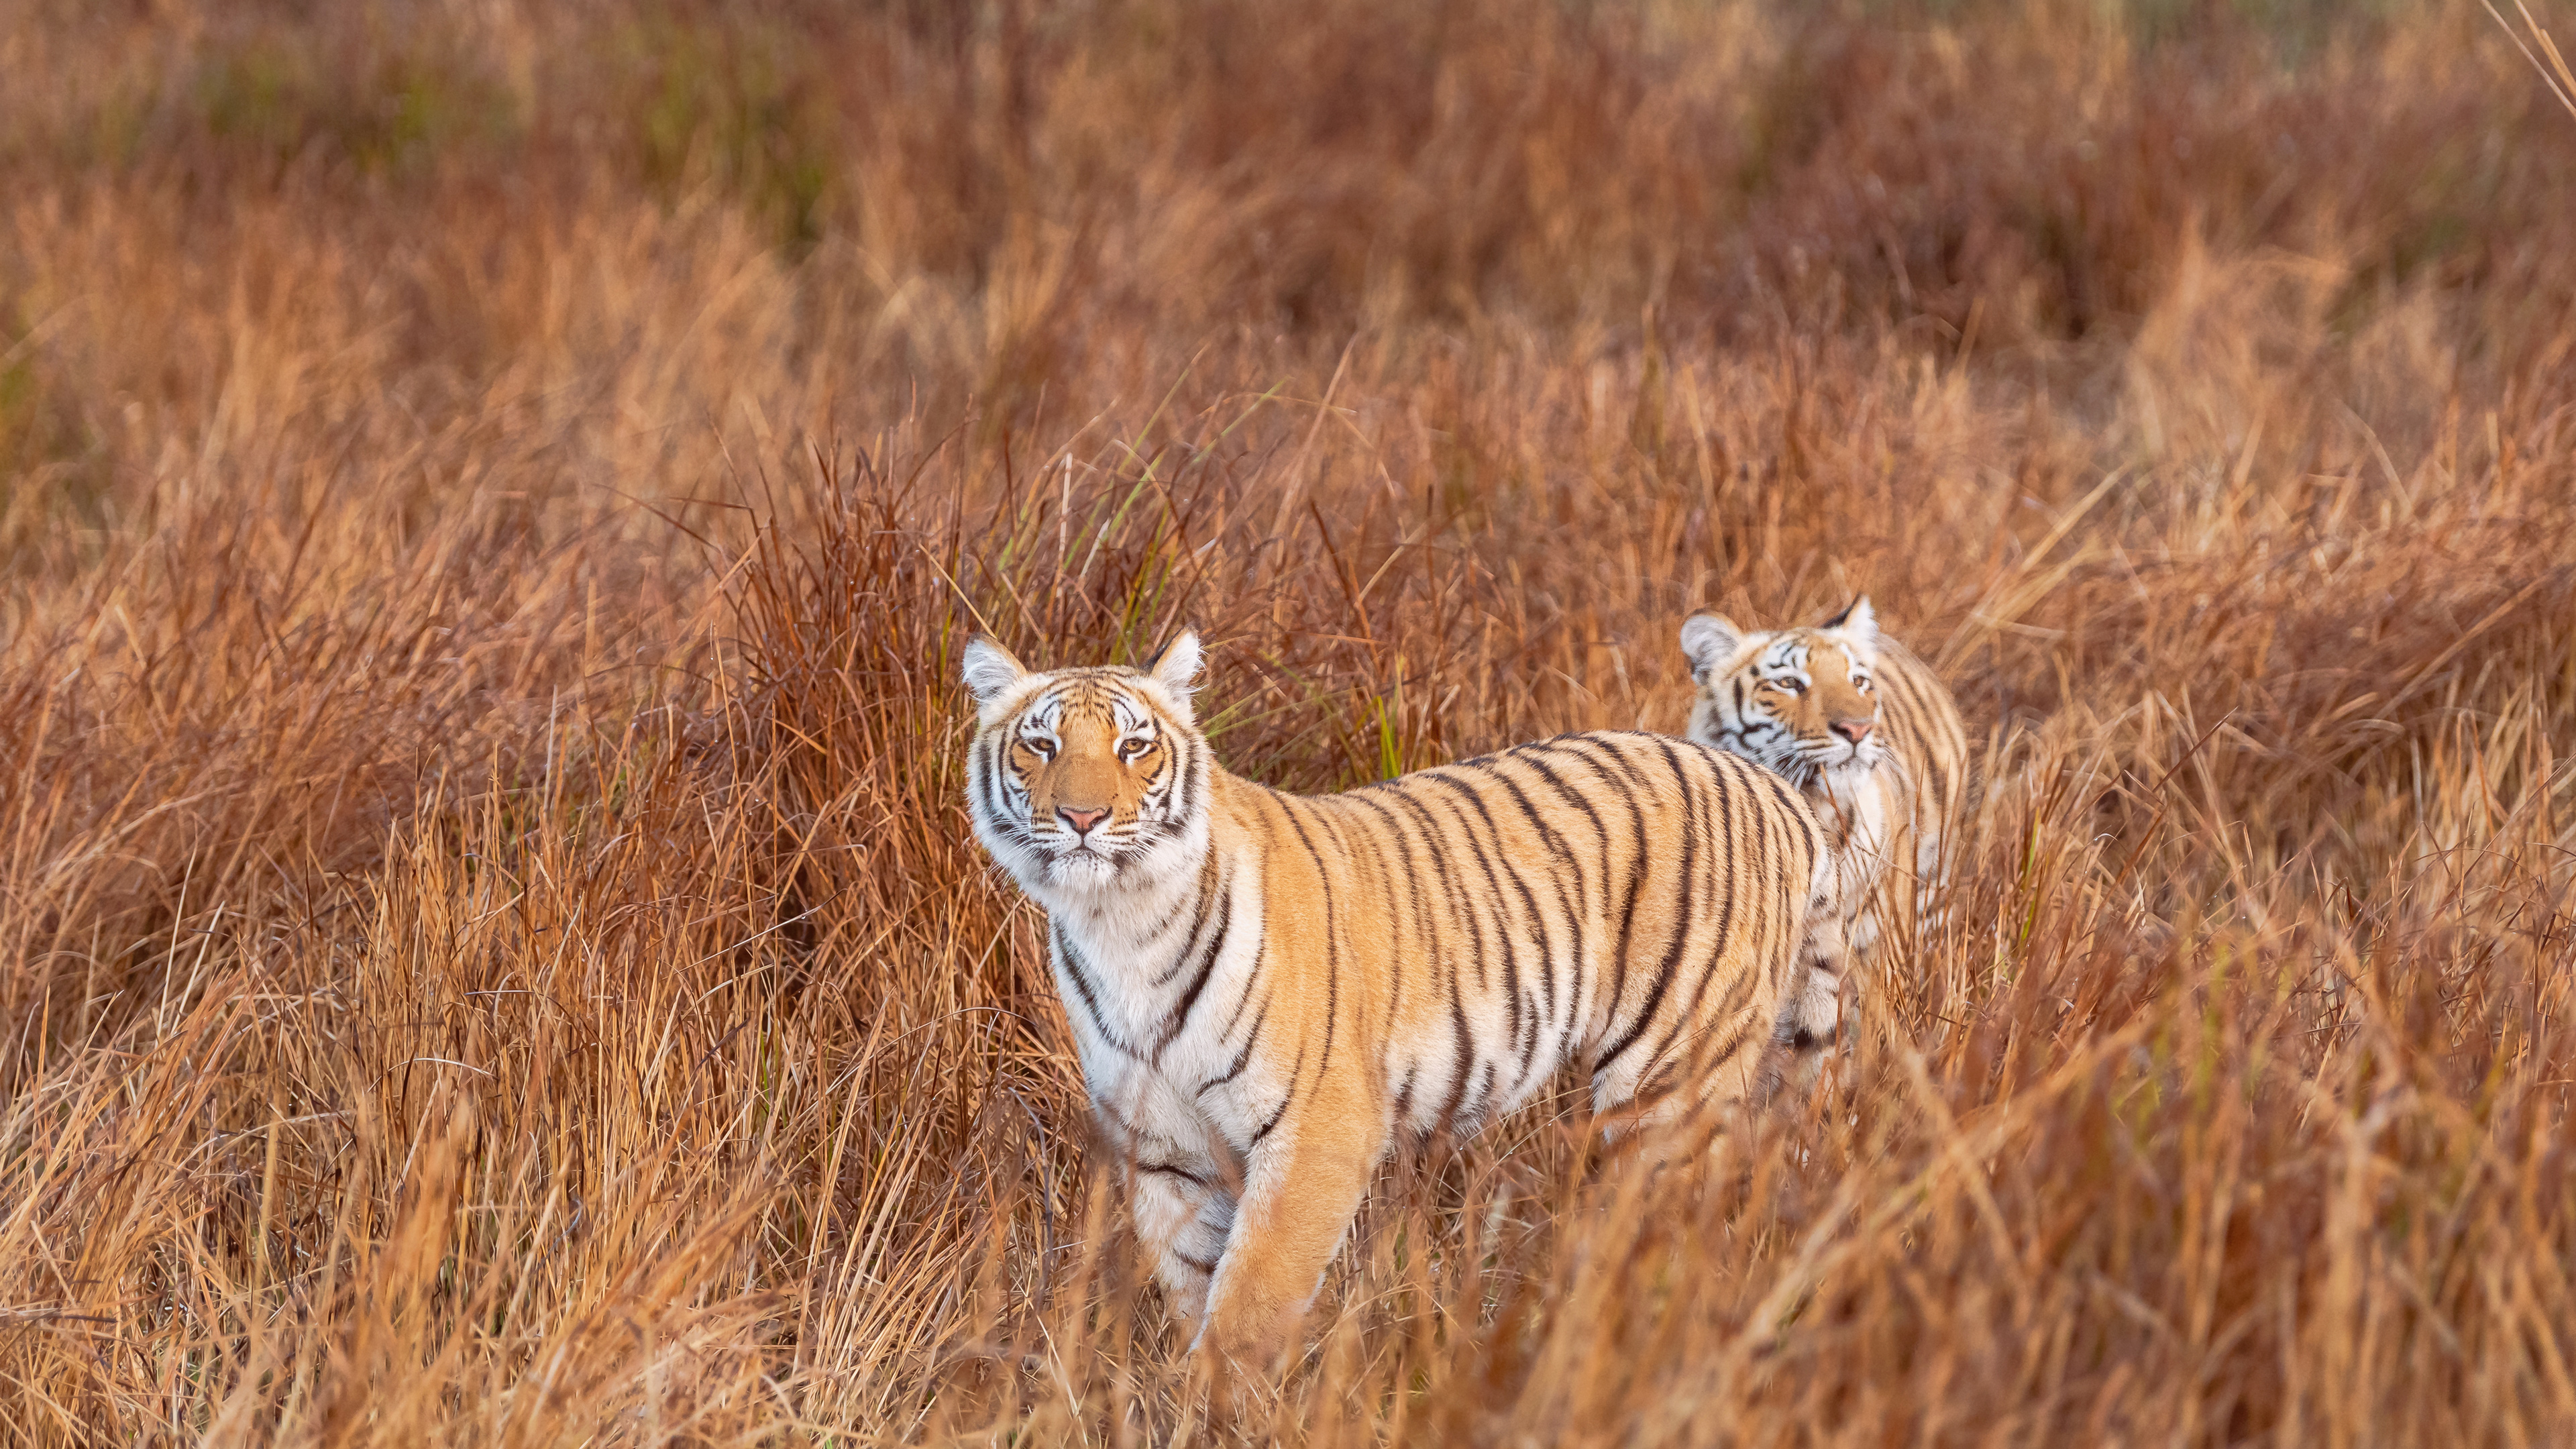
(2553, 72)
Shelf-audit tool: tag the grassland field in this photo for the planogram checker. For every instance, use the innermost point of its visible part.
(492, 496)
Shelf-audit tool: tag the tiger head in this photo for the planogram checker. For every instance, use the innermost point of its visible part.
(1084, 778)
(1801, 702)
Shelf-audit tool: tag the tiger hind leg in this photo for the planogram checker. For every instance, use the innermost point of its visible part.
(1809, 1029)
(1811, 1025)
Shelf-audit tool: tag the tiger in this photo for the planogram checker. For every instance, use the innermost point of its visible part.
(1268, 991)
(1873, 741)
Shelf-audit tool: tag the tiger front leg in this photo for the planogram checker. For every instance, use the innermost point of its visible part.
(1303, 1187)
(1811, 1017)
(1183, 1217)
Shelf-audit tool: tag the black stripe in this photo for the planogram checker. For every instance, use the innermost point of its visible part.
(1332, 935)
(1687, 1018)
(1193, 778)
(1120, 1132)
(1548, 833)
(1242, 1058)
(1529, 899)
(995, 806)
(1579, 926)
(1082, 988)
(1512, 1001)
(1483, 1098)
(1462, 1063)
(1758, 832)
(1198, 923)
(1724, 871)
(1681, 923)
(1432, 955)
(1251, 980)
(1164, 923)
(1294, 1074)
(1619, 779)
(1535, 758)
(1459, 911)
(1575, 916)
(1395, 958)
(1462, 915)
(1727, 1049)
(1463, 1055)
(1493, 834)
(1180, 1014)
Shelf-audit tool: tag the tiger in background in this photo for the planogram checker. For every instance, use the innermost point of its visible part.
(1873, 741)
(1267, 989)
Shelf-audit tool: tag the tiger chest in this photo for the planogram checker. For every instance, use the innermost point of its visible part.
(1149, 1115)
(1172, 1053)
(1858, 813)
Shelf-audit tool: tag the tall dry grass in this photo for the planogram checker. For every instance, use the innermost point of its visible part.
(491, 951)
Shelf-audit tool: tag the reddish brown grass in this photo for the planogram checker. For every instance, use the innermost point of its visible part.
(490, 946)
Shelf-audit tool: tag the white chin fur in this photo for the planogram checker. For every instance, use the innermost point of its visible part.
(1079, 869)
(1855, 762)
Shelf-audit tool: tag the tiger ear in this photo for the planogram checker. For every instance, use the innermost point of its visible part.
(1176, 666)
(1857, 619)
(1709, 641)
(990, 670)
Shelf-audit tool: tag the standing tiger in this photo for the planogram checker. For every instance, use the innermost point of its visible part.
(1265, 989)
(1873, 741)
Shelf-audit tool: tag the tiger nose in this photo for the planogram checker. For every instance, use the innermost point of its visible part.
(1081, 820)
(1854, 730)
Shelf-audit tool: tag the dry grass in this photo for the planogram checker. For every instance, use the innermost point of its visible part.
(490, 947)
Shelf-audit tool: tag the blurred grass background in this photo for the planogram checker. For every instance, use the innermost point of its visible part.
(490, 497)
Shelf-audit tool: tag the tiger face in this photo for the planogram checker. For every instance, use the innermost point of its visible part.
(1801, 702)
(1085, 777)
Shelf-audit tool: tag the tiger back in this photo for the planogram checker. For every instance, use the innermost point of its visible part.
(1268, 990)
(1873, 740)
